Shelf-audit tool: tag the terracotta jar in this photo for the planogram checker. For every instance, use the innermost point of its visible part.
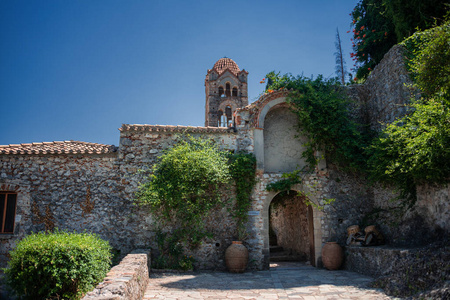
(236, 257)
(354, 229)
(332, 256)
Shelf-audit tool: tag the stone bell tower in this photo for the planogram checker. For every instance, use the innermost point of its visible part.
(226, 90)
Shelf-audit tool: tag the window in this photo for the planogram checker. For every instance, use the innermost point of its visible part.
(220, 91)
(234, 92)
(7, 211)
(228, 90)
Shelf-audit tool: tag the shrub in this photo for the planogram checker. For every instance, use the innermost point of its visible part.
(186, 185)
(58, 265)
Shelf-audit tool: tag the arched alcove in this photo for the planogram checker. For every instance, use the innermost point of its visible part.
(313, 216)
(291, 229)
(283, 147)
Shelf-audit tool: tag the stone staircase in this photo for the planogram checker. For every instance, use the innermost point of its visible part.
(277, 254)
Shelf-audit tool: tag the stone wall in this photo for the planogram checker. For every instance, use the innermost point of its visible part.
(95, 192)
(382, 98)
(126, 281)
(73, 192)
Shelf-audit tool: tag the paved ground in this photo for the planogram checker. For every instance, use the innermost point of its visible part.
(283, 281)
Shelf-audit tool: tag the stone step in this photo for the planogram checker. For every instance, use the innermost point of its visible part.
(274, 249)
(278, 258)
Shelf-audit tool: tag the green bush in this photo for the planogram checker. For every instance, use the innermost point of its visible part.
(58, 265)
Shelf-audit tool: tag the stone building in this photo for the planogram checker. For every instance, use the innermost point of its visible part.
(87, 186)
(226, 90)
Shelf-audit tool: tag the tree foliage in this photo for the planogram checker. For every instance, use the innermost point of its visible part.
(428, 55)
(341, 71)
(186, 182)
(380, 24)
(416, 148)
(190, 180)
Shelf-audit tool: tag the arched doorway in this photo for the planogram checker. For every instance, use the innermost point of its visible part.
(291, 228)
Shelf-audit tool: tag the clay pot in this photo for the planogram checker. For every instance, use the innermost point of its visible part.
(332, 256)
(236, 257)
(354, 229)
(371, 228)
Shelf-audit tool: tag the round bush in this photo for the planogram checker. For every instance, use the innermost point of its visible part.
(58, 265)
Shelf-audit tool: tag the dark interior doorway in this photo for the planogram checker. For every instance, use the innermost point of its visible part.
(291, 231)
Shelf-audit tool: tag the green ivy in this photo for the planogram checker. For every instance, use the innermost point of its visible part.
(285, 184)
(186, 185)
(243, 171)
(323, 112)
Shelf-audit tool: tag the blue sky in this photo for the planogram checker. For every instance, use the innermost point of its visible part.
(78, 69)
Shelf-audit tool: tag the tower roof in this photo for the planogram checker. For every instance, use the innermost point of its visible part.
(226, 63)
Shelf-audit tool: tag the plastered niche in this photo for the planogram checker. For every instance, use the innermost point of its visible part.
(282, 149)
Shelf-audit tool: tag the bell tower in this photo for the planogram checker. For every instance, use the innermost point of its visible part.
(226, 90)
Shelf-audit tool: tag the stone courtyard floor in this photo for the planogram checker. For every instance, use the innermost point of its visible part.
(283, 281)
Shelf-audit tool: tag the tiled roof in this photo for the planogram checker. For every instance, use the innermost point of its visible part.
(226, 63)
(176, 129)
(65, 147)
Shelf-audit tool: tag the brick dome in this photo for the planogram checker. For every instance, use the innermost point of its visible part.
(226, 63)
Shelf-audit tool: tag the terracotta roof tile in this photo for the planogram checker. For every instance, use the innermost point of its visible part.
(226, 63)
(66, 147)
(175, 129)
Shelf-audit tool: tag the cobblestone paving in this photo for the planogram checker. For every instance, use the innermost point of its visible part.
(283, 281)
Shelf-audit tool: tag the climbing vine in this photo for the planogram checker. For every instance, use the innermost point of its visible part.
(243, 171)
(285, 184)
(323, 113)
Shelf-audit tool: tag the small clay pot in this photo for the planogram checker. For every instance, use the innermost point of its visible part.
(332, 256)
(236, 257)
(354, 229)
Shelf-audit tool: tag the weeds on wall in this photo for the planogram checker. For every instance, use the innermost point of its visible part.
(287, 182)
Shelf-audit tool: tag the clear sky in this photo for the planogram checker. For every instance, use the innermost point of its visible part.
(79, 69)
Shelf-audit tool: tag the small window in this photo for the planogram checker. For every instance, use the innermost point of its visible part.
(234, 92)
(228, 90)
(7, 211)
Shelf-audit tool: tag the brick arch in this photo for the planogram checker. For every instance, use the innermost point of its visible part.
(228, 103)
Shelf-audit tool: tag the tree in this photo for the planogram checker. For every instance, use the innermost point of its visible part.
(380, 24)
(340, 62)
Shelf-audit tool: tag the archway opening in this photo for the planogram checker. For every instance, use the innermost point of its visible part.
(291, 230)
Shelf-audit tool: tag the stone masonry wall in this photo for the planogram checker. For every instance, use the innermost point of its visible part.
(71, 192)
(126, 281)
(382, 98)
(96, 192)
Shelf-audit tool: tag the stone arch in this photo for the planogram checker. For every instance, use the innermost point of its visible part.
(314, 225)
(271, 102)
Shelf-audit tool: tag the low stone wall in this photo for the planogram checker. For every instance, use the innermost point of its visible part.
(128, 280)
(373, 261)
